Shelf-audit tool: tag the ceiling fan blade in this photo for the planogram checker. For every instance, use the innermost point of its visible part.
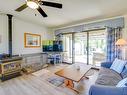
(21, 8)
(41, 12)
(51, 4)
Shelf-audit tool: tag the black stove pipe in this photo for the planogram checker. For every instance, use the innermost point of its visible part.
(10, 34)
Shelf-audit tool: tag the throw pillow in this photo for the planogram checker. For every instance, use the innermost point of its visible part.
(126, 84)
(122, 83)
(124, 72)
(126, 66)
(118, 65)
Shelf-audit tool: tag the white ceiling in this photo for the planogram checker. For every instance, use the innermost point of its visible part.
(73, 11)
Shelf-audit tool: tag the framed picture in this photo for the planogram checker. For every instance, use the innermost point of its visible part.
(32, 40)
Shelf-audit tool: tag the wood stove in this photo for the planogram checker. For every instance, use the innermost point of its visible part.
(10, 67)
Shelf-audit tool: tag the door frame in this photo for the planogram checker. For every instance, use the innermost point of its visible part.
(73, 42)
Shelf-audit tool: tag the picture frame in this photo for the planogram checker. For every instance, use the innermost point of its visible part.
(32, 40)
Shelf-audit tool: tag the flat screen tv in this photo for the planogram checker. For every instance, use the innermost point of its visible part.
(52, 46)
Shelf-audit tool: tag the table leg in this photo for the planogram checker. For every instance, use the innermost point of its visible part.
(70, 84)
(86, 77)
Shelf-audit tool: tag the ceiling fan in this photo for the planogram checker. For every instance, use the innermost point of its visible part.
(35, 4)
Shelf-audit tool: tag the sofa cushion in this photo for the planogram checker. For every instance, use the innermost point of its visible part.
(122, 83)
(118, 65)
(108, 77)
(124, 72)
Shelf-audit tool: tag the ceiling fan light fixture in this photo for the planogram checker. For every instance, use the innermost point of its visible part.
(32, 4)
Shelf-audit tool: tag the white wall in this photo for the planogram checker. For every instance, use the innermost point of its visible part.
(19, 28)
(3, 34)
(125, 29)
(125, 37)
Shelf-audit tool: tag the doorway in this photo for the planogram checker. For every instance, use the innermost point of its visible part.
(97, 47)
(85, 47)
(80, 47)
(67, 48)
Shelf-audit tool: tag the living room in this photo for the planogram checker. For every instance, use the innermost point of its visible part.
(47, 48)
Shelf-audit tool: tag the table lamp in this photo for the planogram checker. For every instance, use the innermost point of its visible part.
(121, 43)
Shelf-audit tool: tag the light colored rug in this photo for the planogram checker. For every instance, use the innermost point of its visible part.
(48, 76)
(40, 72)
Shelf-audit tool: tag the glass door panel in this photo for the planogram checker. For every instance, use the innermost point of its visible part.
(67, 45)
(85, 47)
(80, 47)
(97, 47)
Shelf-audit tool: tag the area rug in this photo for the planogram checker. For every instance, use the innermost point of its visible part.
(40, 72)
(56, 80)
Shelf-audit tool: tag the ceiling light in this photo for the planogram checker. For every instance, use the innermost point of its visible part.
(32, 4)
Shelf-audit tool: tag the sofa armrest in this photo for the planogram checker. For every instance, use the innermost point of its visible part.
(107, 90)
(106, 64)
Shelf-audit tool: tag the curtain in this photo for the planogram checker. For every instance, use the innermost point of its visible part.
(113, 51)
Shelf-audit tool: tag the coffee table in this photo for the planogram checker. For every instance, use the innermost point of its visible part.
(73, 74)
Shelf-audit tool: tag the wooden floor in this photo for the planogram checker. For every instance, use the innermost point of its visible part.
(33, 85)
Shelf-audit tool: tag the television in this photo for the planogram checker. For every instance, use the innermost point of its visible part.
(52, 46)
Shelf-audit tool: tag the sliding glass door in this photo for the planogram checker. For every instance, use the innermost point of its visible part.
(67, 44)
(85, 47)
(90, 47)
(97, 47)
(80, 47)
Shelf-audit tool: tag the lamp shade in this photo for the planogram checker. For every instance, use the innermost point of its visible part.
(121, 42)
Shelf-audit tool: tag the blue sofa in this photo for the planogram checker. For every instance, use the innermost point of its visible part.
(105, 87)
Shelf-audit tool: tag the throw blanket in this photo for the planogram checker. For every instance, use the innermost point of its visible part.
(108, 77)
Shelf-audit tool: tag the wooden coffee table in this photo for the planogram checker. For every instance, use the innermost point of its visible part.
(72, 74)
